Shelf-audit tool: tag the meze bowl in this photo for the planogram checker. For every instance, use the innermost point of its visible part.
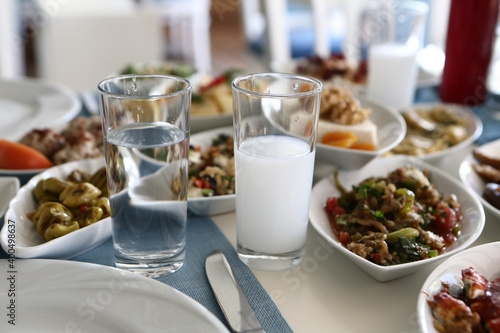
(471, 209)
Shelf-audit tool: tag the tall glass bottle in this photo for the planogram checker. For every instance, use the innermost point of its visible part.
(469, 44)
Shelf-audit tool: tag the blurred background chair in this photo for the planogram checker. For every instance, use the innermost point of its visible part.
(187, 24)
(11, 47)
(80, 42)
(287, 29)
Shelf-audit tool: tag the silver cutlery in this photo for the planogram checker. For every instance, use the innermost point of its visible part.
(230, 297)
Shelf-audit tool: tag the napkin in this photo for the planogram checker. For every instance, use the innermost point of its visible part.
(203, 237)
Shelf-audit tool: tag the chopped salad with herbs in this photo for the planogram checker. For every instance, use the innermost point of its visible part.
(211, 171)
(396, 219)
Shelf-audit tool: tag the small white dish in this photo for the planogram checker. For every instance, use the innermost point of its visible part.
(472, 211)
(28, 243)
(63, 296)
(472, 180)
(8, 190)
(474, 130)
(483, 258)
(391, 129)
(217, 204)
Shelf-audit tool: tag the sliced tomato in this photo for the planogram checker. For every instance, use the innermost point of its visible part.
(198, 183)
(332, 206)
(16, 156)
(445, 221)
(344, 238)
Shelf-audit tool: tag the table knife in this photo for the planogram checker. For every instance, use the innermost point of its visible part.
(230, 297)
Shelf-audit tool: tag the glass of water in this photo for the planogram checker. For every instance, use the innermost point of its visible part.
(275, 120)
(146, 132)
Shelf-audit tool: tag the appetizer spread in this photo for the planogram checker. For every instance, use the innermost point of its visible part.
(471, 305)
(395, 219)
(343, 122)
(431, 130)
(211, 171)
(488, 168)
(70, 204)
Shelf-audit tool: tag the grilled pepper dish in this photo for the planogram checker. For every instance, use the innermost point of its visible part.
(395, 219)
(70, 204)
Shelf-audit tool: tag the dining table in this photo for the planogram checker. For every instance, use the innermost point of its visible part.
(326, 292)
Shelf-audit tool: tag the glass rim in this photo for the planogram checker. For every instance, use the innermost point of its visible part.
(123, 77)
(317, 90)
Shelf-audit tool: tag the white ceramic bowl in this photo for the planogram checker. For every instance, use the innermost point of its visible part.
(28, 243)
(474, 130)
(391, 129)
(217, 204)
(8, 190)
(483, 258)
(471, 228)
(473, 181)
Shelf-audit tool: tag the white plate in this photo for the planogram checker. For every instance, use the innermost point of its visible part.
(8, 190)
(472, 211)
(474, 130)
(28, 243)
(391, 129)
(26, 104)
(217, 204)
(472, 180)
(68, 296)
(483, 258)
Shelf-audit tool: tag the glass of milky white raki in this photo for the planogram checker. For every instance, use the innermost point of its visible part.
(395, 31)
(146, 136)
(275, 121)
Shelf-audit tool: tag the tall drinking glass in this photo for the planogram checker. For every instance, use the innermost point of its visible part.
(275, 118)
(394, 42)
(146, 132)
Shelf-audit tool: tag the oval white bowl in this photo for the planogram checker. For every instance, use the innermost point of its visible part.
(473, 181)
(28, 243)
(483, 258)
(211, 205)
(472, 211)
(474, 130)
(391, 129)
